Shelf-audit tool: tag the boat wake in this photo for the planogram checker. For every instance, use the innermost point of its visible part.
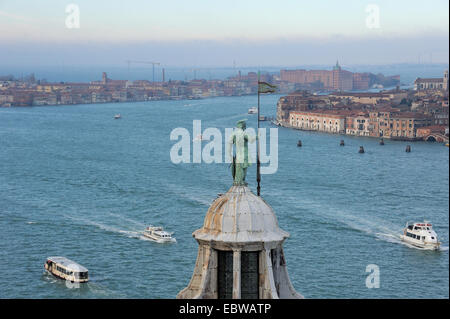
(132, 233)
(386, 234)
(188, 195)
(389, 238)
(93, 286)
(128, 233)
(380, 229)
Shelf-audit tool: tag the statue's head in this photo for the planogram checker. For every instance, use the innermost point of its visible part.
(242, 124)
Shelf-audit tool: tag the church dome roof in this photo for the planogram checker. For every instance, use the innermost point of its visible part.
(239, 216)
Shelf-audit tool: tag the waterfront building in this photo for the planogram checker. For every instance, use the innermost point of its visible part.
(405, 124)
(433, 133)
(441, 119)
(66, 99)
(358, 124)
(119, 96)
(44, 99)
(6, 100)
(300, 101)
(324, 121)
(397, 125)
(421, 84)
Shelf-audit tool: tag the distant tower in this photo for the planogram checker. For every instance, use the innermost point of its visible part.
(337, 67)
(336, 76)
(240, 254)
(163, 75)
(104, 78)
(445, 84)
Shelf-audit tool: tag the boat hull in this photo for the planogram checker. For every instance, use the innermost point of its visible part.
(420, 245)
(160, 240)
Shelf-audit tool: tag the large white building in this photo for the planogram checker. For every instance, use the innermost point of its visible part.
(432, 83)
(330, 122)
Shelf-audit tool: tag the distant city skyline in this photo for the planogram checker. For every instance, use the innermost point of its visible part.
(214, 33)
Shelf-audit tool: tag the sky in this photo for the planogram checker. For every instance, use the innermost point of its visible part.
(206, 33)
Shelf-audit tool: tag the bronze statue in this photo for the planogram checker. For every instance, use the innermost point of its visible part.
(241, 161)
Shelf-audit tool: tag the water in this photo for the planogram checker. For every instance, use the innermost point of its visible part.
(75, 182)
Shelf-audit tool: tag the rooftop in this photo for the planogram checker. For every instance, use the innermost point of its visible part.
(241, 217)
(66, 262)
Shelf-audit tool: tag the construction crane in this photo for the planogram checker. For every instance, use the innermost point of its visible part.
(143, 62)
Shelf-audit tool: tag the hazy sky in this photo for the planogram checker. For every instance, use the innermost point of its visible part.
(216, 33)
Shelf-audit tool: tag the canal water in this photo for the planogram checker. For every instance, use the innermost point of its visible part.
(77, 183)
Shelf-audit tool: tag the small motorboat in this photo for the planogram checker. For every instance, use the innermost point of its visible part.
(158, 234)
(117, 116)
(421, 235)
(252, 110)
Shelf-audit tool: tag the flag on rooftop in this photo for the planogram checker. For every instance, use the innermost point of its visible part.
(264, 87)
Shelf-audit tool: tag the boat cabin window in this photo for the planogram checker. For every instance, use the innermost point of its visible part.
(410, 227)
(81, 275)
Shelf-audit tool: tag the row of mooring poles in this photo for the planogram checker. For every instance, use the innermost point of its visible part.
(361, 148)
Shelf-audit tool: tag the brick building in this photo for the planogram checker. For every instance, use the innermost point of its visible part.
(336, 79)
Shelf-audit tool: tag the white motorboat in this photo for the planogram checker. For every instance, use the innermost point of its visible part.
(117, 116)
(252, 110)
(421, 235)
(158, 234)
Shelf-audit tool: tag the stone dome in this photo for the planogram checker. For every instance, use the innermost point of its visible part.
(239, 216)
